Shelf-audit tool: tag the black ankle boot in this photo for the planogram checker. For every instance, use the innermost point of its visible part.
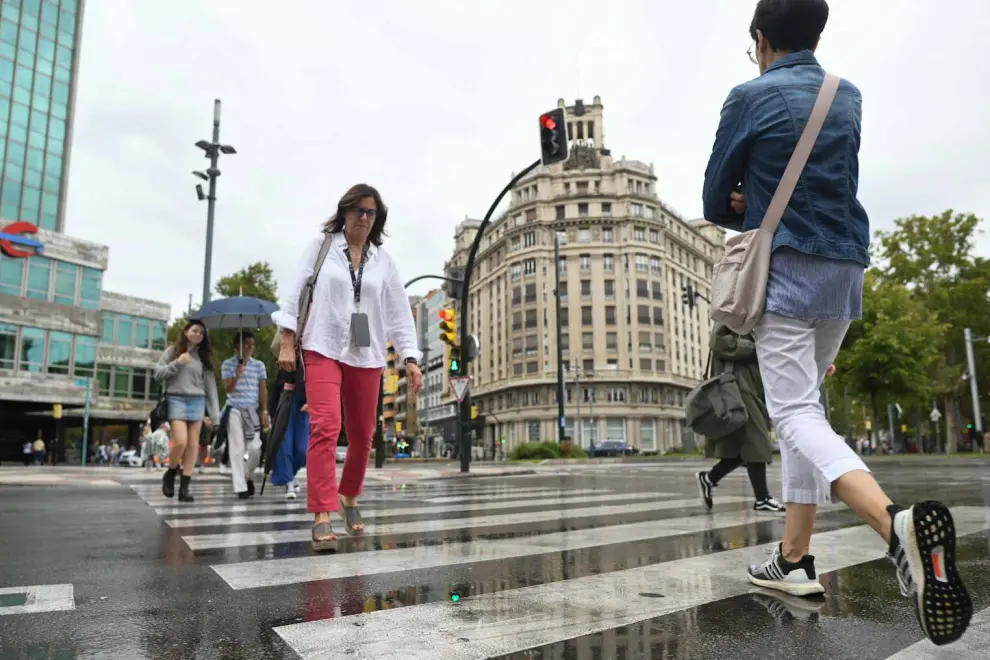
(168, 482)
(184, 495)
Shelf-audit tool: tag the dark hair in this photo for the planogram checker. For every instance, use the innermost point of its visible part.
(205, 351)
(242, 336)
(350, 201)
(790, 25)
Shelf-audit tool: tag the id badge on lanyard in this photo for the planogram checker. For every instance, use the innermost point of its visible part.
(360, 329)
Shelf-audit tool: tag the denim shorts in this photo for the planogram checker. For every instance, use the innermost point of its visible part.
(186, 407)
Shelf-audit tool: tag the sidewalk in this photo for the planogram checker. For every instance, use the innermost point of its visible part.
(104, 476)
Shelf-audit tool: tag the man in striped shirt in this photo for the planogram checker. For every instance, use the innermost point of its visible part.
(246, 382)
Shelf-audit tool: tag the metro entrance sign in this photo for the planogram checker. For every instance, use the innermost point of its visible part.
(460, 386)
(16, 234)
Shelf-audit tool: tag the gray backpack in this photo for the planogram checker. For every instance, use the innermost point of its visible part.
(715, 407)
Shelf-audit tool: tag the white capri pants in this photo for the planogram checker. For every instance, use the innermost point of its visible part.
(794, 356)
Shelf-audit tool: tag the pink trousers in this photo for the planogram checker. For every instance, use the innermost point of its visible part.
(335, 390)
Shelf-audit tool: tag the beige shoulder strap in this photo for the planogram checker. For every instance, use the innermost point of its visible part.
(801, 153)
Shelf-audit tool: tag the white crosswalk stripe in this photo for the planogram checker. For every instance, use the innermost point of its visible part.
(422, 536)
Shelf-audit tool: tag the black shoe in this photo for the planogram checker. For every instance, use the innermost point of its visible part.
(244, 495)
(184, 495)
(923, 548)
(168, 482)
(250, 490)
(705, 487)
(797, 579)
(769, 504)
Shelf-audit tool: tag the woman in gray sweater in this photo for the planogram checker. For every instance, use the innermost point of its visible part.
(186, 370)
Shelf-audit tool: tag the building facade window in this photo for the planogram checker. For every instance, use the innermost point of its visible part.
(32, 358)
(59, 352)
(8, 346)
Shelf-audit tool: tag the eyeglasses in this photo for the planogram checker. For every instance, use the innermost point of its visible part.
(361, 212)
(752, 54)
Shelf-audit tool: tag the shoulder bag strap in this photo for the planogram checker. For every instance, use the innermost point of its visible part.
(306, 295)
(801, 153)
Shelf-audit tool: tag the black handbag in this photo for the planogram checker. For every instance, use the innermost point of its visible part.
(159, 414)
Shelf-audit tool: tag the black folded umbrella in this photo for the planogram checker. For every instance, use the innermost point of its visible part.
(289, 379)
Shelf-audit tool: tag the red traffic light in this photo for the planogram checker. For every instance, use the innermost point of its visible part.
(548, 123)
(446, 315)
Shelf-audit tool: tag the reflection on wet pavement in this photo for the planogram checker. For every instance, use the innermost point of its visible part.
(600, 561)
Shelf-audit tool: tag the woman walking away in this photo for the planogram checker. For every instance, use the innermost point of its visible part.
(749, 445)
(814, 290)
(291, 456)
(186, 371)
(358, 300)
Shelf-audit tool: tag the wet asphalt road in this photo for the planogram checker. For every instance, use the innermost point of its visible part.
(600, 561)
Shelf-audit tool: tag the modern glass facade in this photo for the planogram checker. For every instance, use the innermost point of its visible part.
(41, 278)
(38, 46)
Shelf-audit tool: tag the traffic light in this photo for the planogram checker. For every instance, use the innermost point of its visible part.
(455, 359)
(398, 427)
(689, 295)
(553, 137)
(448, 326)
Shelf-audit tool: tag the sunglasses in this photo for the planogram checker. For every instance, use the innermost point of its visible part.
(361, 212)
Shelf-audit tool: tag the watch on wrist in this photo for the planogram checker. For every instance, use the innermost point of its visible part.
(411, 361)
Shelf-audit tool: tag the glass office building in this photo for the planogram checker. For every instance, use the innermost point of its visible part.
(61, 333)
(38, 52)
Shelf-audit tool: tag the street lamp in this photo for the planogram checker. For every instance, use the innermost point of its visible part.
(212, 150)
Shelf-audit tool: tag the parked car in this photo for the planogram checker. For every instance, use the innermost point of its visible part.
(131, 458)
(614, 448)
(341, 453)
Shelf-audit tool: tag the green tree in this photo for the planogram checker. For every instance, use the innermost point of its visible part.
(888, 356)
(934, 257)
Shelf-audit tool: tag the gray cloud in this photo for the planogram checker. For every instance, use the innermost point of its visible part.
(436, 102)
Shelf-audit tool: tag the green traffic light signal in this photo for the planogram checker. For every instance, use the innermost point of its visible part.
(454, 366)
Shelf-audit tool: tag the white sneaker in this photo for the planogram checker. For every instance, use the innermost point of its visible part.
(295, 486)
(797, 579)
(290, 493)
(923, 548)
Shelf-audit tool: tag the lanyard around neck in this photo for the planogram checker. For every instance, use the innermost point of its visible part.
(356, 277)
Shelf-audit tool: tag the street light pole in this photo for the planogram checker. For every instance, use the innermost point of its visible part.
(213, 150)
(973, 387)
(464, 414)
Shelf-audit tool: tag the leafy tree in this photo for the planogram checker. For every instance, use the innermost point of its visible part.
(889, 354)
(933, 257)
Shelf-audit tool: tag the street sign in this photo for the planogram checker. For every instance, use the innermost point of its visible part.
(459, 385)
(935, 416)
(898, 406)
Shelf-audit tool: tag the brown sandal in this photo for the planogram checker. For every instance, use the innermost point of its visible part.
(352, 517)
(321, 531)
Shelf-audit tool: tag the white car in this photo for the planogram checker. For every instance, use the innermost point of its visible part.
(341, 454)
(131, 458)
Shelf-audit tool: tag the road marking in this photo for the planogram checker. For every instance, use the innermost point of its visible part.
(240, 539)
(387, 512)
(38, 598)
(505, 622)
(289, 505)
(277, 572)
(974, 645)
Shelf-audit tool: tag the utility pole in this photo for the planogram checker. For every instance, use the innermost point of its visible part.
(973, 387)
(560, 339)
(213, 150)
(578, 425)
(849, 424)
(425, 413)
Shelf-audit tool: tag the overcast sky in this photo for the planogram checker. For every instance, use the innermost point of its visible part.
(435, 102)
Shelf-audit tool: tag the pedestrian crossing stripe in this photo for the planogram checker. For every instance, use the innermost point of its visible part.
(279, 572)
(240, 539)
(512, 621)
(380, 513)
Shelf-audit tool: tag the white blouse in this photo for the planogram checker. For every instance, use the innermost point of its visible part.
(328, 330)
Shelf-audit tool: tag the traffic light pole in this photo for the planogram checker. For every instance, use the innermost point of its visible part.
(560, 340)
(464, 414)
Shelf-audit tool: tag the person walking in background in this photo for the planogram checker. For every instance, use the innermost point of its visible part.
(358, 300)
(159, 445)
(38, 449)
(291, 456)
(186, 371)
(27, 451)
(814, 290)
(246, 380)
(749, 445)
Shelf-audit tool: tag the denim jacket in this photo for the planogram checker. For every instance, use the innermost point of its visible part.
(759, 128)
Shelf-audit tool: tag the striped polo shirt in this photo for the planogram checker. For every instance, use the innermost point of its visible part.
(812, 288)
(245, 394)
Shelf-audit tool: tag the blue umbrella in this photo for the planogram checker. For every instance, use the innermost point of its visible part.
(236, 313)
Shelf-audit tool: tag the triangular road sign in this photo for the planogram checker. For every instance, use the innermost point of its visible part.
(459, 384)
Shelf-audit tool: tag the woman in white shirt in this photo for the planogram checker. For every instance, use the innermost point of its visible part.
(358, 301)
